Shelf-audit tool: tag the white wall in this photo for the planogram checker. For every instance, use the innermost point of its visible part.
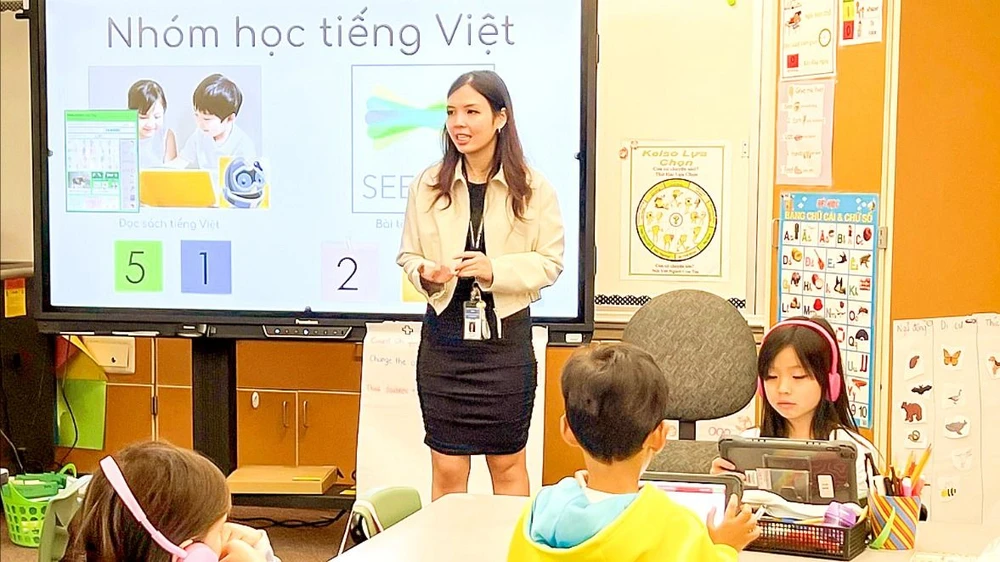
(16, 240)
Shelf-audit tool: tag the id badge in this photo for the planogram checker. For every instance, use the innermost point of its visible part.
(474, 316)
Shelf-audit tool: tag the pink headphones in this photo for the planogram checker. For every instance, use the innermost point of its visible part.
(194, 552)
(833, 376)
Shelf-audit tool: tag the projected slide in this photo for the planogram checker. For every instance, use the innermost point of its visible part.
(227, 156)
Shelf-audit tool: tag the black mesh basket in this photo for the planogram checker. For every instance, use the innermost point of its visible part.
(817, 541)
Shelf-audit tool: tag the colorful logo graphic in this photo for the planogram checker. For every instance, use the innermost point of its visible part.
(388, 118)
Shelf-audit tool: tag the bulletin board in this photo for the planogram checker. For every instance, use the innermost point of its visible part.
(945, 251)
(676, 102)
(857, 138)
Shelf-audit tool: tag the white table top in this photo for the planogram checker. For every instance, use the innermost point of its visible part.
(462, 527)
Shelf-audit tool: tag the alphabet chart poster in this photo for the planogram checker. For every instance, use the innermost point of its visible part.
(946, 393)
(827, 268)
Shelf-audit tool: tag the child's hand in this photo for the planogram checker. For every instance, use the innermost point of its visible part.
(722, 466)
(239, 551)
(738, 528)
(235, 531)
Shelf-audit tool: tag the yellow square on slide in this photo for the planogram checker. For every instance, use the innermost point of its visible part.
(410, 293)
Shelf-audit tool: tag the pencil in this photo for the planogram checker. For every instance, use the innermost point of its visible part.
(915, 477)
(908, 471)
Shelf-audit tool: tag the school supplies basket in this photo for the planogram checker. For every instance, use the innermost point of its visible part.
(817, 541)
(25, 499)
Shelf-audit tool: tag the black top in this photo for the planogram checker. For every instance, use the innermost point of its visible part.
(477, 200)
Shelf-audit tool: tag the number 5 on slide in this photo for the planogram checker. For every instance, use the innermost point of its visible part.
(138, 266)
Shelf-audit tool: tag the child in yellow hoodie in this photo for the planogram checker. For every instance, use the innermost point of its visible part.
(615, 397)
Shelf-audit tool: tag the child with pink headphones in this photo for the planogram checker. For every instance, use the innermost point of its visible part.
(800, 374)
(160, 503)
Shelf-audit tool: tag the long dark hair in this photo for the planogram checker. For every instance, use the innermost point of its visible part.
(508, 152)
(814, 354)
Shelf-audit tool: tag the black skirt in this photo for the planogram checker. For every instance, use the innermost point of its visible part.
(476, 396)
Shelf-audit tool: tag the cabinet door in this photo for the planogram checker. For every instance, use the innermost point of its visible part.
(328, 430)
(173, 418)
(322, 366)
(128, 419)
(173, 361)
(266, 423)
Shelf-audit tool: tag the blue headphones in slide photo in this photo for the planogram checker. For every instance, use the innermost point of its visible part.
(243, 185)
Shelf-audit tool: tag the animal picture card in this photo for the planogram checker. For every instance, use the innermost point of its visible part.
(951, 357)
(913, 410)
(956, 427)
(915, 438)
(951, 396)
(913, 364)
(962, 459)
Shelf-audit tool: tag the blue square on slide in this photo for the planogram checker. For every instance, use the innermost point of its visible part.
(206, 267)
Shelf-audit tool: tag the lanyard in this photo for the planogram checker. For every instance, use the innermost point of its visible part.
(477, 236)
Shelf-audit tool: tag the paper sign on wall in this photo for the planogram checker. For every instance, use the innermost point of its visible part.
(944, 394)
(676, 210)
(805, 133)
(808, 39)
(828, 267)
(860, 22)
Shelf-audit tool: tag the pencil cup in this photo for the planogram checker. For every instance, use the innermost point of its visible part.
(894, 521)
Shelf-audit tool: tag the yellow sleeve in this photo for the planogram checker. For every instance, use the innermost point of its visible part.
(699, 545)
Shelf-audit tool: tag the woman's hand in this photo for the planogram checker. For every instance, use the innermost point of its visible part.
(475, 264)
(435, 273)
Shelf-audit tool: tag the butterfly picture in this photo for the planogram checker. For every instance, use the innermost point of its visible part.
(951, 358)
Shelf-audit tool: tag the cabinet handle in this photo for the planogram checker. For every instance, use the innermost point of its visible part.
(284, 413)
(305, 413)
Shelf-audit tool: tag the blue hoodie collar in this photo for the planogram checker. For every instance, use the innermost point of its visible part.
(563, 517)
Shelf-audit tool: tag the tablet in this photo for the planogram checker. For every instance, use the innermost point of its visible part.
(697, 492)
(803, 471)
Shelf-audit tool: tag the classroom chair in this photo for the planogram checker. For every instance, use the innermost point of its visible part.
(709, 357)
(59, 514)
(378, 510)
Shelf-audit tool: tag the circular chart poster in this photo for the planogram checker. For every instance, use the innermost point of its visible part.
(676, 219)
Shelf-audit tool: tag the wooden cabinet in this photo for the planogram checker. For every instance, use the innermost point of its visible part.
(172, 385)
(129, 419)
(312, 391)
(173, 416)
(294, 428)
(305, 412)
(328, 430)
(266, 422)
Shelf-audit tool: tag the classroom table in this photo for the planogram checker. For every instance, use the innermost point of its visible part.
(463, 527)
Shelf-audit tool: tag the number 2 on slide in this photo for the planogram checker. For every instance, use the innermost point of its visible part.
(349, 271)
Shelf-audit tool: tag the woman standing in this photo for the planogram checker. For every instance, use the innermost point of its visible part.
(482, 236)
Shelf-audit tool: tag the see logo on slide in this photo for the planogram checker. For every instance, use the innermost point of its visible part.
(388, 118)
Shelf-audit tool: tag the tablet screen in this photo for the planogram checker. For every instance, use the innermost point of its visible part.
(698, 497)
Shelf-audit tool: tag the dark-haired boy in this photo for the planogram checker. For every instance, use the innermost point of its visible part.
(615, 397)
